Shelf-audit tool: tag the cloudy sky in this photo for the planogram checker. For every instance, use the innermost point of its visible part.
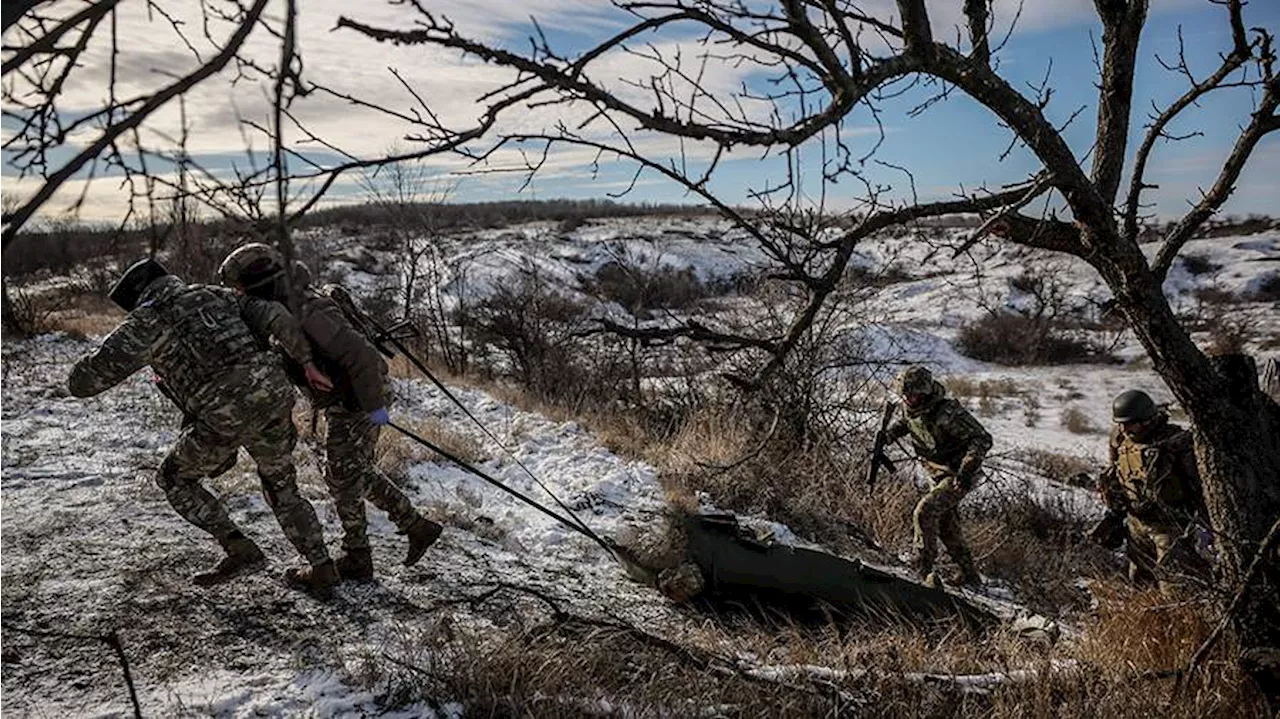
(954, 144)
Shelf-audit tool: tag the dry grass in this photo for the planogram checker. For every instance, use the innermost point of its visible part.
(1057, 466)
(542, 661)
(396, 452)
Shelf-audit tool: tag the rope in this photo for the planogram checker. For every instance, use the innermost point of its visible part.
(472, 469)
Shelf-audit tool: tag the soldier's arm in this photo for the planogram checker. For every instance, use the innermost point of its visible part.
(125, 351)
(268, 318)
(977, 440)
(339, 341)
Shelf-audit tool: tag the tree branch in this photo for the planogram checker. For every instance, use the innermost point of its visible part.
(111, 133)
(1121, 30)
(811, 124)
(1264, 121)
(977, 12)
(1240, 53)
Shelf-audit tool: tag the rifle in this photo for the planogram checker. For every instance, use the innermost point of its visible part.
(878, 457)
(366, 326)
(1109, 531)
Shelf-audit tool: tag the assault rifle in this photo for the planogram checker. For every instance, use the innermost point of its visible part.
(379, 337)
(1109, 532)
(878, 456)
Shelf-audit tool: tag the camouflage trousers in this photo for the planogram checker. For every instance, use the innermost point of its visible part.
(353, 477)
(1159, 552)
(937, 516)
(201, 450)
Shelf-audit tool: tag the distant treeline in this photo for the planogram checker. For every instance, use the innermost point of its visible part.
(482, 215)
(61, 246)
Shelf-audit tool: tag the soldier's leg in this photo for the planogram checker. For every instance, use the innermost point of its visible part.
(1176, 559)
(925, 520)
(952, 536)
(358, 442)
(345, 476)
(271, 446)
(197, 452)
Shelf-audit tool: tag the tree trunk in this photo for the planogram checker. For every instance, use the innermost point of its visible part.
(10, 326)
(1237, 439)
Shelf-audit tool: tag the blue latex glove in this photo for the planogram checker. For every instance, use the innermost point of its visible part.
(380, 417)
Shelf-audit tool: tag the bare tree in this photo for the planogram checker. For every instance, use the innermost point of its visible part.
(824, 59)
(9, 322)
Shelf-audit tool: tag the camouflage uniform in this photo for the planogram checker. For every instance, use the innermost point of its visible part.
(194, 339)
(360, 386)
(951, 445)
(1155, 481)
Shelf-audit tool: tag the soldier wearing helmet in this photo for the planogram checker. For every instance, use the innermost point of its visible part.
(1154, 480)
(235, 394)
(951, 445)
(355, 406)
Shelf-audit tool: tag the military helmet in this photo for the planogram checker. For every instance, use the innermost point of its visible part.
(129, 288)
(913, 380)
(251, 265)
(1133, 405)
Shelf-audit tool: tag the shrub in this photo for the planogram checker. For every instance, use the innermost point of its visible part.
(1077, 422)
(640, 289)
(1268, 289)
(1199, 265)
(1013, 339)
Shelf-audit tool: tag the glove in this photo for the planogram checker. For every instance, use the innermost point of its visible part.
(379, 417)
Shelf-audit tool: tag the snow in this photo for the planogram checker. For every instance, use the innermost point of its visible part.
(90, 545)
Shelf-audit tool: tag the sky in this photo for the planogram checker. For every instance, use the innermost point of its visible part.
(955, 144)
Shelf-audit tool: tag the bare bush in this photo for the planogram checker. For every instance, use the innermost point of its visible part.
(536, 330)
(1016, 340)
(1057, 466)
(1198, 265)
(640, 288)
(1076, 421)
(1268, 289)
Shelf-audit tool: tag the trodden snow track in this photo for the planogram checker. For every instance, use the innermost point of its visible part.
(91, 546)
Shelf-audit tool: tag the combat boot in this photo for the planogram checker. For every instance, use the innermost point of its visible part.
(318, 580)
(355, 565)
(242, 556)
(422, 534)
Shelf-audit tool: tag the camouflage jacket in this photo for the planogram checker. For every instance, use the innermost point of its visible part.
(324, 335)
(947, 439)
(195, 339)
(1155, 479)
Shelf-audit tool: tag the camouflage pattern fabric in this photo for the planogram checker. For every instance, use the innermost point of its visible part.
(1162, 553)
(238, 396)
(353, 477)
(950, 445)
(1154, 478)
(937, 516)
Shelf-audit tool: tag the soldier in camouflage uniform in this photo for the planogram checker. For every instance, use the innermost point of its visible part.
(194, 338)
(1154, 480)
(354, 412)
(951, 445)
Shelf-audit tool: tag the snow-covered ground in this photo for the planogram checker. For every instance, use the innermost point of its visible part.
(90, 545)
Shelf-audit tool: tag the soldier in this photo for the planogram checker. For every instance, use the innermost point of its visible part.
(355, 411)
(237, 395)
(1154, 480)
(950, 445)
